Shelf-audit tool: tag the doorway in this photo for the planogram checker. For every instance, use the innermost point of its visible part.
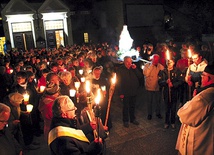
(55, 38)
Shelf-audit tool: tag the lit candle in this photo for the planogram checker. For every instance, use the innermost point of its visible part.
(29, 107)
(82, 79)
(72, 92)
(26, 97)
(11, 71)
(103, 88)
(42, 88)
(81, 71)
(77, 85)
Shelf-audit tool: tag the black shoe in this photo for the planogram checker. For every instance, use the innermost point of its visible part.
(135, 122)
(159, 116)
(126, 124)
(149, 117)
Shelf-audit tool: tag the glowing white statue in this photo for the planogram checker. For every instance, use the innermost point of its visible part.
(125, 45)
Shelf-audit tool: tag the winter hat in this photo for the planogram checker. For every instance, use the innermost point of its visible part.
(16, 98)
(52, 88)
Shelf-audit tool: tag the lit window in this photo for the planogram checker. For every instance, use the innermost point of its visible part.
(86, 37)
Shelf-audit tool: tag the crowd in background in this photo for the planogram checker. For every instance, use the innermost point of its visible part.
(58, 69)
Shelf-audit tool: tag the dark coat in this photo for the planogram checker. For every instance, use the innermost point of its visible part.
(128, 81)
(69, 145)
(9, 145)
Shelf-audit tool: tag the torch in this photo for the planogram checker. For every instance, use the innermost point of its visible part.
(111, 92)
(97, 111)
(189, 63)
(87, 88)
(168, 58)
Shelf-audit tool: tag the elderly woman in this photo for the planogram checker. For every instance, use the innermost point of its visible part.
(66, 82)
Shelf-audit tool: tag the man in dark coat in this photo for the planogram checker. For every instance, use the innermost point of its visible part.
(128, 84)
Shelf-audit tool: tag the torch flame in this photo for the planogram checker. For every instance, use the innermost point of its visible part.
(98, 97)
(113, 80)
(167, 55)
(87, 86)
(189, 53)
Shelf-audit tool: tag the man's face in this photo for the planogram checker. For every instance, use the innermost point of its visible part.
(54, 69)
(128, 62)
(4, 119)
(96, 73)
(55, 80)
(20, 80)
(68, 110)
(155, 60)
(196, 59)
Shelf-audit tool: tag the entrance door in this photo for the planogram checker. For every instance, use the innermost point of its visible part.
(23, 40)
(55, 38)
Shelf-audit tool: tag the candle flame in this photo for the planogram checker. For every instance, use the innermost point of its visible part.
(87, 86)
(98, 97)
(113, 80)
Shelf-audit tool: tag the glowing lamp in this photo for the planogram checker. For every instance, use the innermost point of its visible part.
(29, 107)
(26, 97)
(42, 88)
(72, 92)
(81, 71)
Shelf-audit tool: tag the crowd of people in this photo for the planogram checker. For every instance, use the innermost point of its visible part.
(49, 75)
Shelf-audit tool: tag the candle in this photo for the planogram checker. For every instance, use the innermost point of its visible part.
(77, 85)
(81, 71)
(42, 88)
(26, 97)
(103, 88)
(29, 107)
(11, 71)
(82, 79)
(72, 92)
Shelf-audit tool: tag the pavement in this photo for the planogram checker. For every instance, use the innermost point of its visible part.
(148, 138)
